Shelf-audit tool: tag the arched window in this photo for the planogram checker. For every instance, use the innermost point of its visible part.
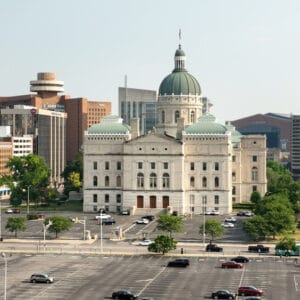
(106, 181)
(204, 182)
(95, 180)
(192, 117)
(177, 116)
(153, 180)
(163, 116)
(140, 180)
(217, 182)
(118, 180)
(166, 180)
(254, 174)
(192, 181)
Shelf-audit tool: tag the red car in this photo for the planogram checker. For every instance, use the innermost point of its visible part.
(232, 265)
(249, 291)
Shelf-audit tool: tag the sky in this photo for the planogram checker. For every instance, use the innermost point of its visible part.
(244, 53)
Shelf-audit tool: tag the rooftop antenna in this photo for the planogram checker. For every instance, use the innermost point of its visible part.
(179, 36)
(125, 102)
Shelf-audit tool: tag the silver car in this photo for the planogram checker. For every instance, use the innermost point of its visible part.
(42, 278)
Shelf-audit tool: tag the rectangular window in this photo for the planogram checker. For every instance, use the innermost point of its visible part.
(233, 199)
(233, 158)
(106, 198)
(254, 158)
(119, 165)
(107, 165)
(166, 165)
(95, 208)
(140, 165)
(204, 166)
(95, 165)
(152, 165)
(216, 166)
(254, 188)
(233, 190)
(118, 198)
(192, 166)
(216, 199)
(95, 198)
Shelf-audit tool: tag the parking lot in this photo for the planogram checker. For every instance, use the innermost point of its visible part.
(96, 277)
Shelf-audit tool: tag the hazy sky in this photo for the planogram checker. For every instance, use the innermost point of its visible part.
(244, 53)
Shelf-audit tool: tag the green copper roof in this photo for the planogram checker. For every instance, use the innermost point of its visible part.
(109, 125)
(179, 82)
(206, 125)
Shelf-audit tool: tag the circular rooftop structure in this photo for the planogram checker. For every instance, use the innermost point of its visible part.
(46, 82)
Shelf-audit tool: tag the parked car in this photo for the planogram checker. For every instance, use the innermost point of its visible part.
(41, 278)
(259, 249)
(179, 262)
(230, 219)
(212, 212)
(124, 295)
(232, 265)
(249, 214)
(41, 215)
(103, 216)
(9, 211)
(213, 248)
(125, 212)
(240, 259)
(142, 221)
(249, 291)
(228, 225)
(108, 221)
(253, 298)
(241, 213)
(145, 242)
(149, 217)
(222, 294)
(72, 219)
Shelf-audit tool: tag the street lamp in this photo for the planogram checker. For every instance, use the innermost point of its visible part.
(203, 210)
(45, 227)
(28, 199)
(5, 273)
(101, 240)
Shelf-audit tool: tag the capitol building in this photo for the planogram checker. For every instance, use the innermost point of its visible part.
(188, 163)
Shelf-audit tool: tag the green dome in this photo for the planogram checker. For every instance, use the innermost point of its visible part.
(109, 125)
(179, 82)
(206, 125)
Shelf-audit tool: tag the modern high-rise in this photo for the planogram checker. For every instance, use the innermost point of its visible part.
(138, 103)
(295, 146)
(81, 112)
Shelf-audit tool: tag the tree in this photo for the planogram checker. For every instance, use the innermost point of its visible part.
(255, 197)
(162, 244)
(16, 224)
(212, 227)
(59, 224)
(28, 172)
(73, 174)
(287, 243)
(256, 228)
(170, 223)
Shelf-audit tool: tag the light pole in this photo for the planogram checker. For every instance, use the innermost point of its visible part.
(101, 242)
(45, 227)
(5, 273)
(28, 199)
(203, 210)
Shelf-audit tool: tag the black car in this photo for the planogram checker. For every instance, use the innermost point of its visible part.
(124, 294)
(179, 262)
(222, 294)
(240, 259)
(108, 221)
(213, 248)
(149, 217)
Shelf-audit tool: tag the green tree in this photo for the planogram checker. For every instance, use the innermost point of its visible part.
(162, 244)
(59, 224)
(169, 223)
(29, 173)
(255, 197)
(287, 243)
(73, 174)
(16, 224)
(212, 227)
(256, 228)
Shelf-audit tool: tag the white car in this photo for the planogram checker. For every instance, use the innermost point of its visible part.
(102, 216)
(145, 243)
(142, 221)
(230, 219)
(228, 225)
